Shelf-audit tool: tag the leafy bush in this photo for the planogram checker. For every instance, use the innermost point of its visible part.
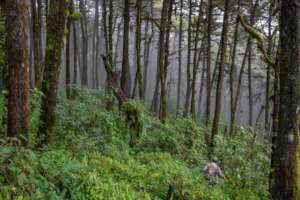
(91, 158)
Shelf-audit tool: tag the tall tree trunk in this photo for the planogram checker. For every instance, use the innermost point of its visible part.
(125, 76)
(218, 109)
(84, 35)
(111, 31)
(179, 57)
(104, 21)
(138, 77)
(75, 53)
(68, 43)
(287, 160)
(188, 65)
(18, 65)
(235, 99)
(162, 58)
(267, 107)
(96, 46)
(250, 92)
(250, 95)
(195, 64)
(36, 19)
(208, 61)
(232, 72)
(55, 35)
(201, 92)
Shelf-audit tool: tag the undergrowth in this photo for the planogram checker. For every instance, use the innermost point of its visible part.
(91, 158)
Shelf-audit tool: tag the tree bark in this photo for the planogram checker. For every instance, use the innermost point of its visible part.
(36, 31)
(138, 77)
(162, 46)
(267, 107)
(195, 64)
(179, 57)
(125, 76)
(218, 109)
(84, 35)
(68, 42)
(18, 65)
(188, 64)
(55, 35)
(232, 72)
(287, 161)
(96, 46)
(75, 52)
(208, 61)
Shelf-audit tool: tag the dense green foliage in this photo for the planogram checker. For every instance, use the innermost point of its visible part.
(91, 158)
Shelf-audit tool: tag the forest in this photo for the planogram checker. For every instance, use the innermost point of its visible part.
(150, 99)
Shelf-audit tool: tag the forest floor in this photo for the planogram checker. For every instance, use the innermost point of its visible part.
(91, 158)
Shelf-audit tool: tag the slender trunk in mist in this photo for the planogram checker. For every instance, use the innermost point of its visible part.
(138, 82)
(68, 43)
(232, 73)
(125, 76)
(104, 21)
(96, 46)
(201, 93)
(250, 92)
(235, 99)
(147, 45)
(238, 91)
(218, 108)
(18, 66)
(216, 67)
(119, 31)
(208, 61)
(179, 57)
(188, 65)
(195, 64)
(55, 35)
(75, 53)
(84, 35)
(267, 107)
(111, 31)
(155, 103)
(147, 49)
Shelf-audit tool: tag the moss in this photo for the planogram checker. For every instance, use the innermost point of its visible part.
(261, 41)
(76, 16)
(133, 118)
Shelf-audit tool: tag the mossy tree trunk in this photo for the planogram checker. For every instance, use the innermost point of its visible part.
(68, 43)
(162, 57)
(18, 68)
(55, 34)
(287, 150)
(138, 82)
(125, 76)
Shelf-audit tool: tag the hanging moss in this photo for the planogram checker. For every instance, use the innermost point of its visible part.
(261, 41)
